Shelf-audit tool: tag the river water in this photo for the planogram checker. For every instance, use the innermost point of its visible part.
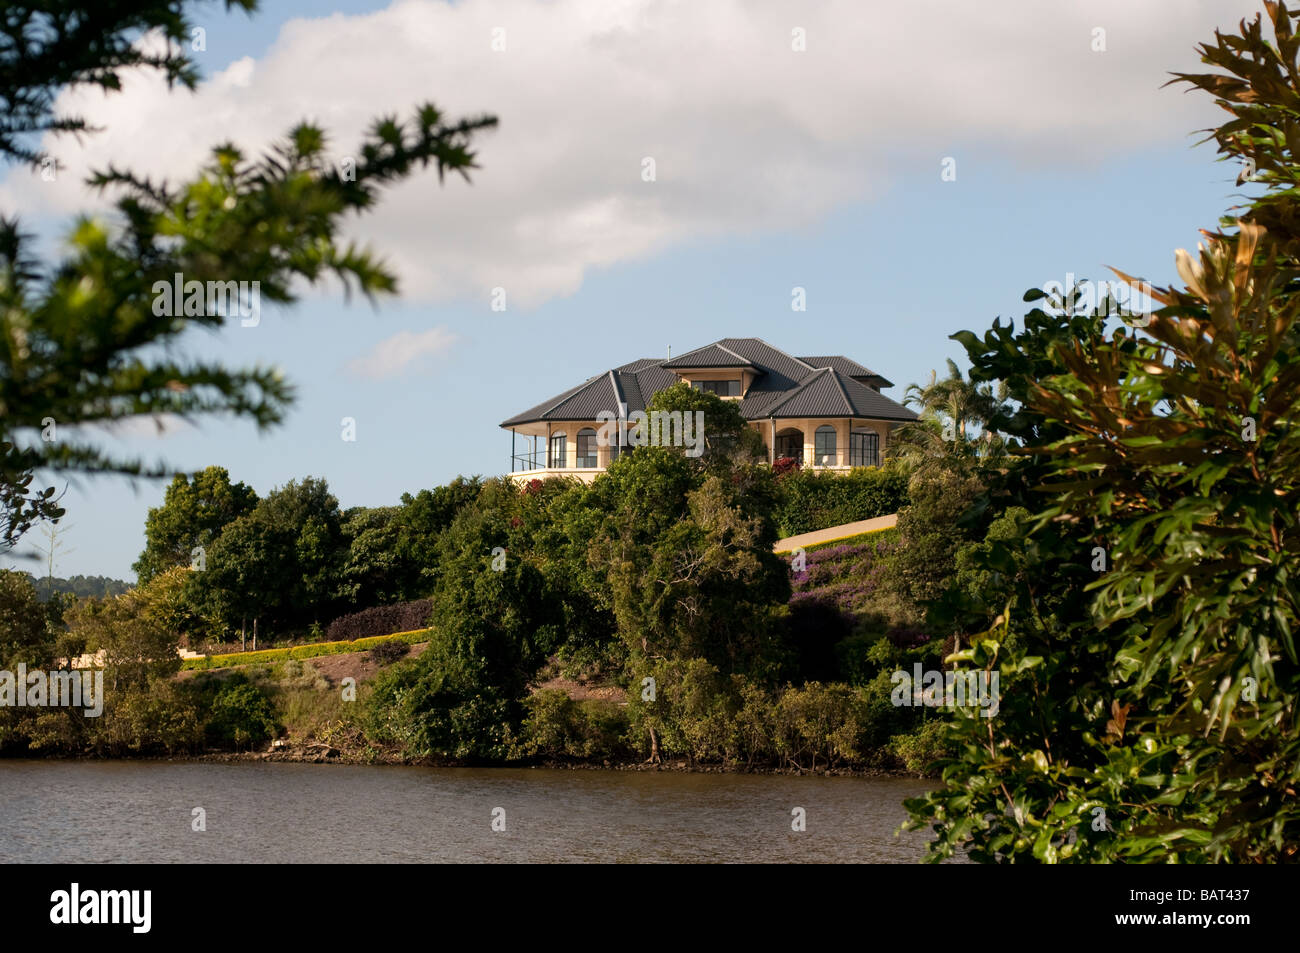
(94, 812)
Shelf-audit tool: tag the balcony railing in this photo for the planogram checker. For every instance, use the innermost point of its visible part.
(539, 461)
(840, 460)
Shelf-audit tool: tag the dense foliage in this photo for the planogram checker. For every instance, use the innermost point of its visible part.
(192, 515)
(812, 500)
(381, 620)
(1143, 617)
(77, 586)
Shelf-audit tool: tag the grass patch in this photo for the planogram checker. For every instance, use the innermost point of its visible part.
(309, 713)
(314, 650)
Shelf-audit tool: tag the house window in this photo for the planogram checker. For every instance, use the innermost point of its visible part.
(587, 448)
(789, 443)
(824, 447)
(721, 388)
(864, 448)
(555, 457)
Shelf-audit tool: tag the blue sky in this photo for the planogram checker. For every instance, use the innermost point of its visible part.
(755, 194)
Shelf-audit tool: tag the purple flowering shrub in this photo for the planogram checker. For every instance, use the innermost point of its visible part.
(846, 576)
(905, 637)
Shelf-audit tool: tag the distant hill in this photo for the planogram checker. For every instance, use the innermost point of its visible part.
(79, 586)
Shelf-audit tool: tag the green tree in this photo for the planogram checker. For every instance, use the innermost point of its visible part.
(691, 572)
(193, 514)
(728, 437)
(84, 338)
(25, 635)
(392, 550)
(1145, 635)
(949, 409)
(931, 529)
(241, 715)
(278, 564)
(373, 571)
(137, 632)
(497, 619)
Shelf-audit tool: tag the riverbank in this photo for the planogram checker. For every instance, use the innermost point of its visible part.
(327, 754)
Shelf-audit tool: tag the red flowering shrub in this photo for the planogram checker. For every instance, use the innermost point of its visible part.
(784, 465)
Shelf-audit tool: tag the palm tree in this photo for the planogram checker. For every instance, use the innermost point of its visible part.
(948, 409)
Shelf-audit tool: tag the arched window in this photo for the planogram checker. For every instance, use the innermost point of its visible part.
(824, 446)
(587, 448)
(555, 457)
(864, 448)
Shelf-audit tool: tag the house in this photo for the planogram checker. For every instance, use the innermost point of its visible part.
(825, 412)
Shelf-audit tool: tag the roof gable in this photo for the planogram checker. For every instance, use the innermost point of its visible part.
(828, 393)
(785, 386)
(711, 355)
(849, 368)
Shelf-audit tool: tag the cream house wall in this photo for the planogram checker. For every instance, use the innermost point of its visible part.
(808, 425)
(693, 374)
(570, 430)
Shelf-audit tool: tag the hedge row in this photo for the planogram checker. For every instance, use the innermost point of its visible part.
(314, 650)
(381, 620)
(812, 500)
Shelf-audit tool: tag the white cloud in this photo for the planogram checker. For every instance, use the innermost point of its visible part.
(747, 134)
(395, 354)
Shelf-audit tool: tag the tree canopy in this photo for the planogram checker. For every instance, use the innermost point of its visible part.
(83, 340)
(1143, 619)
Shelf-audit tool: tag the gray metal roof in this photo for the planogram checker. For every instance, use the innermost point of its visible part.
(541, 411)
(785, 386)
(711, 355)
(848, 368)
(782, 370)
(828, 393)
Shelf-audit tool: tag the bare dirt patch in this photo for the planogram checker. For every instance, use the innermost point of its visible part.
(358, 665)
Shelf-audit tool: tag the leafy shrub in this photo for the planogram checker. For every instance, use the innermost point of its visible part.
(882, 720)
(819, 721)
(920, 749)
(158, 717)
(692, 712)
(386, 653)
(783, 465)
(241, 715)
(381, 620)
(456, 700)
(556, 726)
(813, 500)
